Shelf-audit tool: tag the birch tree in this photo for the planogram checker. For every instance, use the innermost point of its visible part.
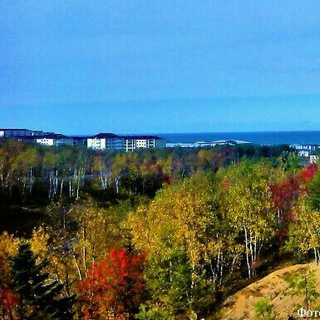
(250, 207)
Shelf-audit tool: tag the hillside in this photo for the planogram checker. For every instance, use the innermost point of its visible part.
(273, 288)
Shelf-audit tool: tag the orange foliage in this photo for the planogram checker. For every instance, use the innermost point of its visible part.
(8, 302)
(309, 172)
(113, 287)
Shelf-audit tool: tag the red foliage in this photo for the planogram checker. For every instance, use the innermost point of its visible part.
(309, 172)
(113, 287)
(285, 193)
(8, 302)
(166, 179)
(147, 164)
(284, 196)
(255, 264)
(225, 184)
(282, 234)
(157, 168)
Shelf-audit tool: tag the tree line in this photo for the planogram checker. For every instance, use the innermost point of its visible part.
(176, 255)
(31, 172)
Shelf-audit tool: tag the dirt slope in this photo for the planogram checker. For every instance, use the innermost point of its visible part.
(273, 288)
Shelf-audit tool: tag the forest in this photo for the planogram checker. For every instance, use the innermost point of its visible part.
(152, 234)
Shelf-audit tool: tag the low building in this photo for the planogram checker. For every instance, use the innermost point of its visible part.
(305, 153)
(9, 133)
(53, 140)
(314, 158)
(105, 141)
(204, 144)
(132, 143)
(311, 147)
(308, 156)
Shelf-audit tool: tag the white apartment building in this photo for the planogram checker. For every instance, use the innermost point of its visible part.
(132, 143)
(101, 141)
(53, 140)
(314, 158)
(110, 141)
(304, 153)
(311, 147)
(105, 141)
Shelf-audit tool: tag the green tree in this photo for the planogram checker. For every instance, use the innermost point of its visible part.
(189, 244)
(40, 298)
(304, 231)
(264, 310)
(303, 283)
(314, 192)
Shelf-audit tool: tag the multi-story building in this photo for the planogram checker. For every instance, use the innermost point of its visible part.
(80, 141)
(132, 143)
(311, 147)
(314, 158)
(53, 140)
(306, 153)
(101, 141)
(105, 141)
(111, 141)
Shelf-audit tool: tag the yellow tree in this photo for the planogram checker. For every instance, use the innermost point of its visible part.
(304, 231)
(52, 245)
(186, 241)
(25, 163)
(8, 247)
(39, 243)
(249, 206)
(96, 231)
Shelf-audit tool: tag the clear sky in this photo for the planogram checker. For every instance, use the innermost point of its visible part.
(138, 66)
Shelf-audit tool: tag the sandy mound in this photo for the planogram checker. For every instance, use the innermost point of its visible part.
(273, 288)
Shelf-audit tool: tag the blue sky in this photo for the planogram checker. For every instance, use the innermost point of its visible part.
(160, 66)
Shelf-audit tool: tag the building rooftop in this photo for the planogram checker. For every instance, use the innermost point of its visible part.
(23, 137)
(106, 135)
(42, 136)
(14, 129)
(79, 137)
(51, 136)
(141, 137)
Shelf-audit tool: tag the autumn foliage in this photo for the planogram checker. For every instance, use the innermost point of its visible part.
(284, 196)
(113, 287)
(309, 172)
(8, 302)
(204, 217)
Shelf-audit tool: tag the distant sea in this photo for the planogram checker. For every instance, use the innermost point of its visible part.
(262, 138)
